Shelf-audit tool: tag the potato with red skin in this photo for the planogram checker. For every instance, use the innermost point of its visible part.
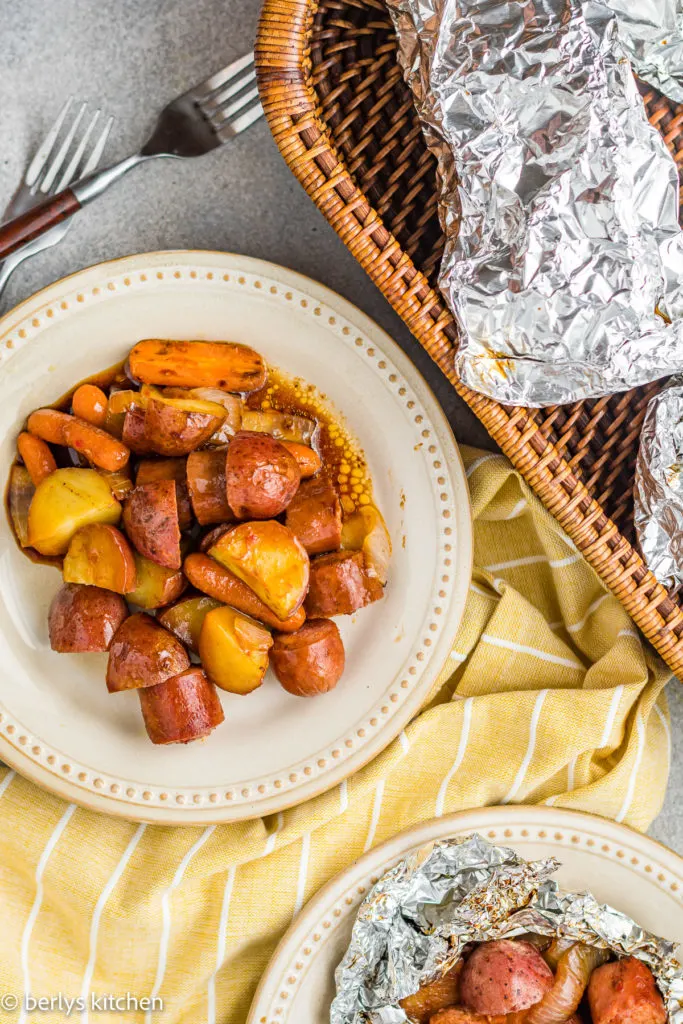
(150, 517)
(625, 992)
(143, 653)
(150, 470)
(185, 707)
(310, 661)
(503, 977)
(207, 487)
(340, 585)
(314, 515)
(261, 476)
(100, 556)
(84, 619)
(134, 434)
(176, 426)
(423, 1004)
(218, 582)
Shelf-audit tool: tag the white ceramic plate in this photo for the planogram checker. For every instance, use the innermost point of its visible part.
(58, 724)
(619, 866)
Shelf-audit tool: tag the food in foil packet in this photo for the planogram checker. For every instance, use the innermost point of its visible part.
(658, 487)
(563, 260)
(464, 932)
(652, 35)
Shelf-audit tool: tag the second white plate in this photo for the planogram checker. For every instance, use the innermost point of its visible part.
(58, 724)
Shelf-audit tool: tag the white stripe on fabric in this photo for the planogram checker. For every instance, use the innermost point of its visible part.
(40, 870)
(571, 774)
(511, 645)
(270, 841)
(576, 626)
(555, 625)
(6, 781)
(480, 461)
(560, 563)
(405, 742)
(374, 820)
(457, 656)
(531, 746)
(221, 946)
(303, 873)
(665, 725)
(629, 632)
(519, 507)
(611, 716)
(343, 796)
(515, 563)
(97, 914)
(630, 789)
(166, 914)
(462, 747)
(482, 593)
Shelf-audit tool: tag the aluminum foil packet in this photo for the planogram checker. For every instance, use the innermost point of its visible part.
(651, 32)
(658, 487)
(413, 925)
(563, 256)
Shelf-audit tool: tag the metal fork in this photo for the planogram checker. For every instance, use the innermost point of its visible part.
(200, 120)
(73, 158)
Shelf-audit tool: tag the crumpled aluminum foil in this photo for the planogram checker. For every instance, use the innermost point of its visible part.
(658, 487)
(559, 201)
(651, 32)
(414, 923)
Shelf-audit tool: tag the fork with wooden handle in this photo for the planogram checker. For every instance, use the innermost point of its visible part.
(200, 120)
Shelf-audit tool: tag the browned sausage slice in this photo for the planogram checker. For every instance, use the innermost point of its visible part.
(310, 661)
(340, 585)
(624, 992)
(261, 476)
(315, 516)
(143, 653)
(183, 708)
(150, 516)
(206, 482)
(503, 977)
(84, 618)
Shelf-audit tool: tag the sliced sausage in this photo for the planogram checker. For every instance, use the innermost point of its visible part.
(340, 585)
(183, 708)
(83, 618)
(310, 661)
(261, 476)
(143, 653)
(625, 992)
(150, 516)
(206, 483)
(150, 470)
(314, 515)
(503, 977)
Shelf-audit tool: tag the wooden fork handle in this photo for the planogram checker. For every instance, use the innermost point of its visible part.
(41, 218)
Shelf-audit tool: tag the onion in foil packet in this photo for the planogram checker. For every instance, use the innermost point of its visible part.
(559, 202)
(423, 913)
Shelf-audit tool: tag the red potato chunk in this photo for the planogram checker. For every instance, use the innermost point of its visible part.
(206, 483)
(261, 476)
(625, 992)
(150, 517)
(84, 619)
(340, 585)
(143, 653)
(315, 516)
(134, 434)
(176, 426)
(503, 977)
(310, 661)
(185, 707)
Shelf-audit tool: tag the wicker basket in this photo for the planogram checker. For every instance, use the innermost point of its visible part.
(344, 121)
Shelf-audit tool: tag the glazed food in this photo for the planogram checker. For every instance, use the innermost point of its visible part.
(538, 980)
(194, 466)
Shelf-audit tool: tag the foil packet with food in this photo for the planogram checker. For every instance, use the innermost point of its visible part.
(464, 932)
(563, 260)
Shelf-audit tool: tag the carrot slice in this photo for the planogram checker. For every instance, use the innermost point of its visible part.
(37, 457)
(90, 403)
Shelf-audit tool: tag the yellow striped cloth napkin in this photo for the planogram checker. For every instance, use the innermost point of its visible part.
(549, 695)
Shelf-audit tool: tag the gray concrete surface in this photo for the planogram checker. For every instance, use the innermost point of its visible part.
(130, 57)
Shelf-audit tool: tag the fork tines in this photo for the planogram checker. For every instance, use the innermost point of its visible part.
(65, 153)
(229, 99)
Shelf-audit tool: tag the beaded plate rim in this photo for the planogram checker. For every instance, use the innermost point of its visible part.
(53, 768)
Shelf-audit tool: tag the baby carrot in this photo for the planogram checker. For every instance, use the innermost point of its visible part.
(37, 457)
(90, 403)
